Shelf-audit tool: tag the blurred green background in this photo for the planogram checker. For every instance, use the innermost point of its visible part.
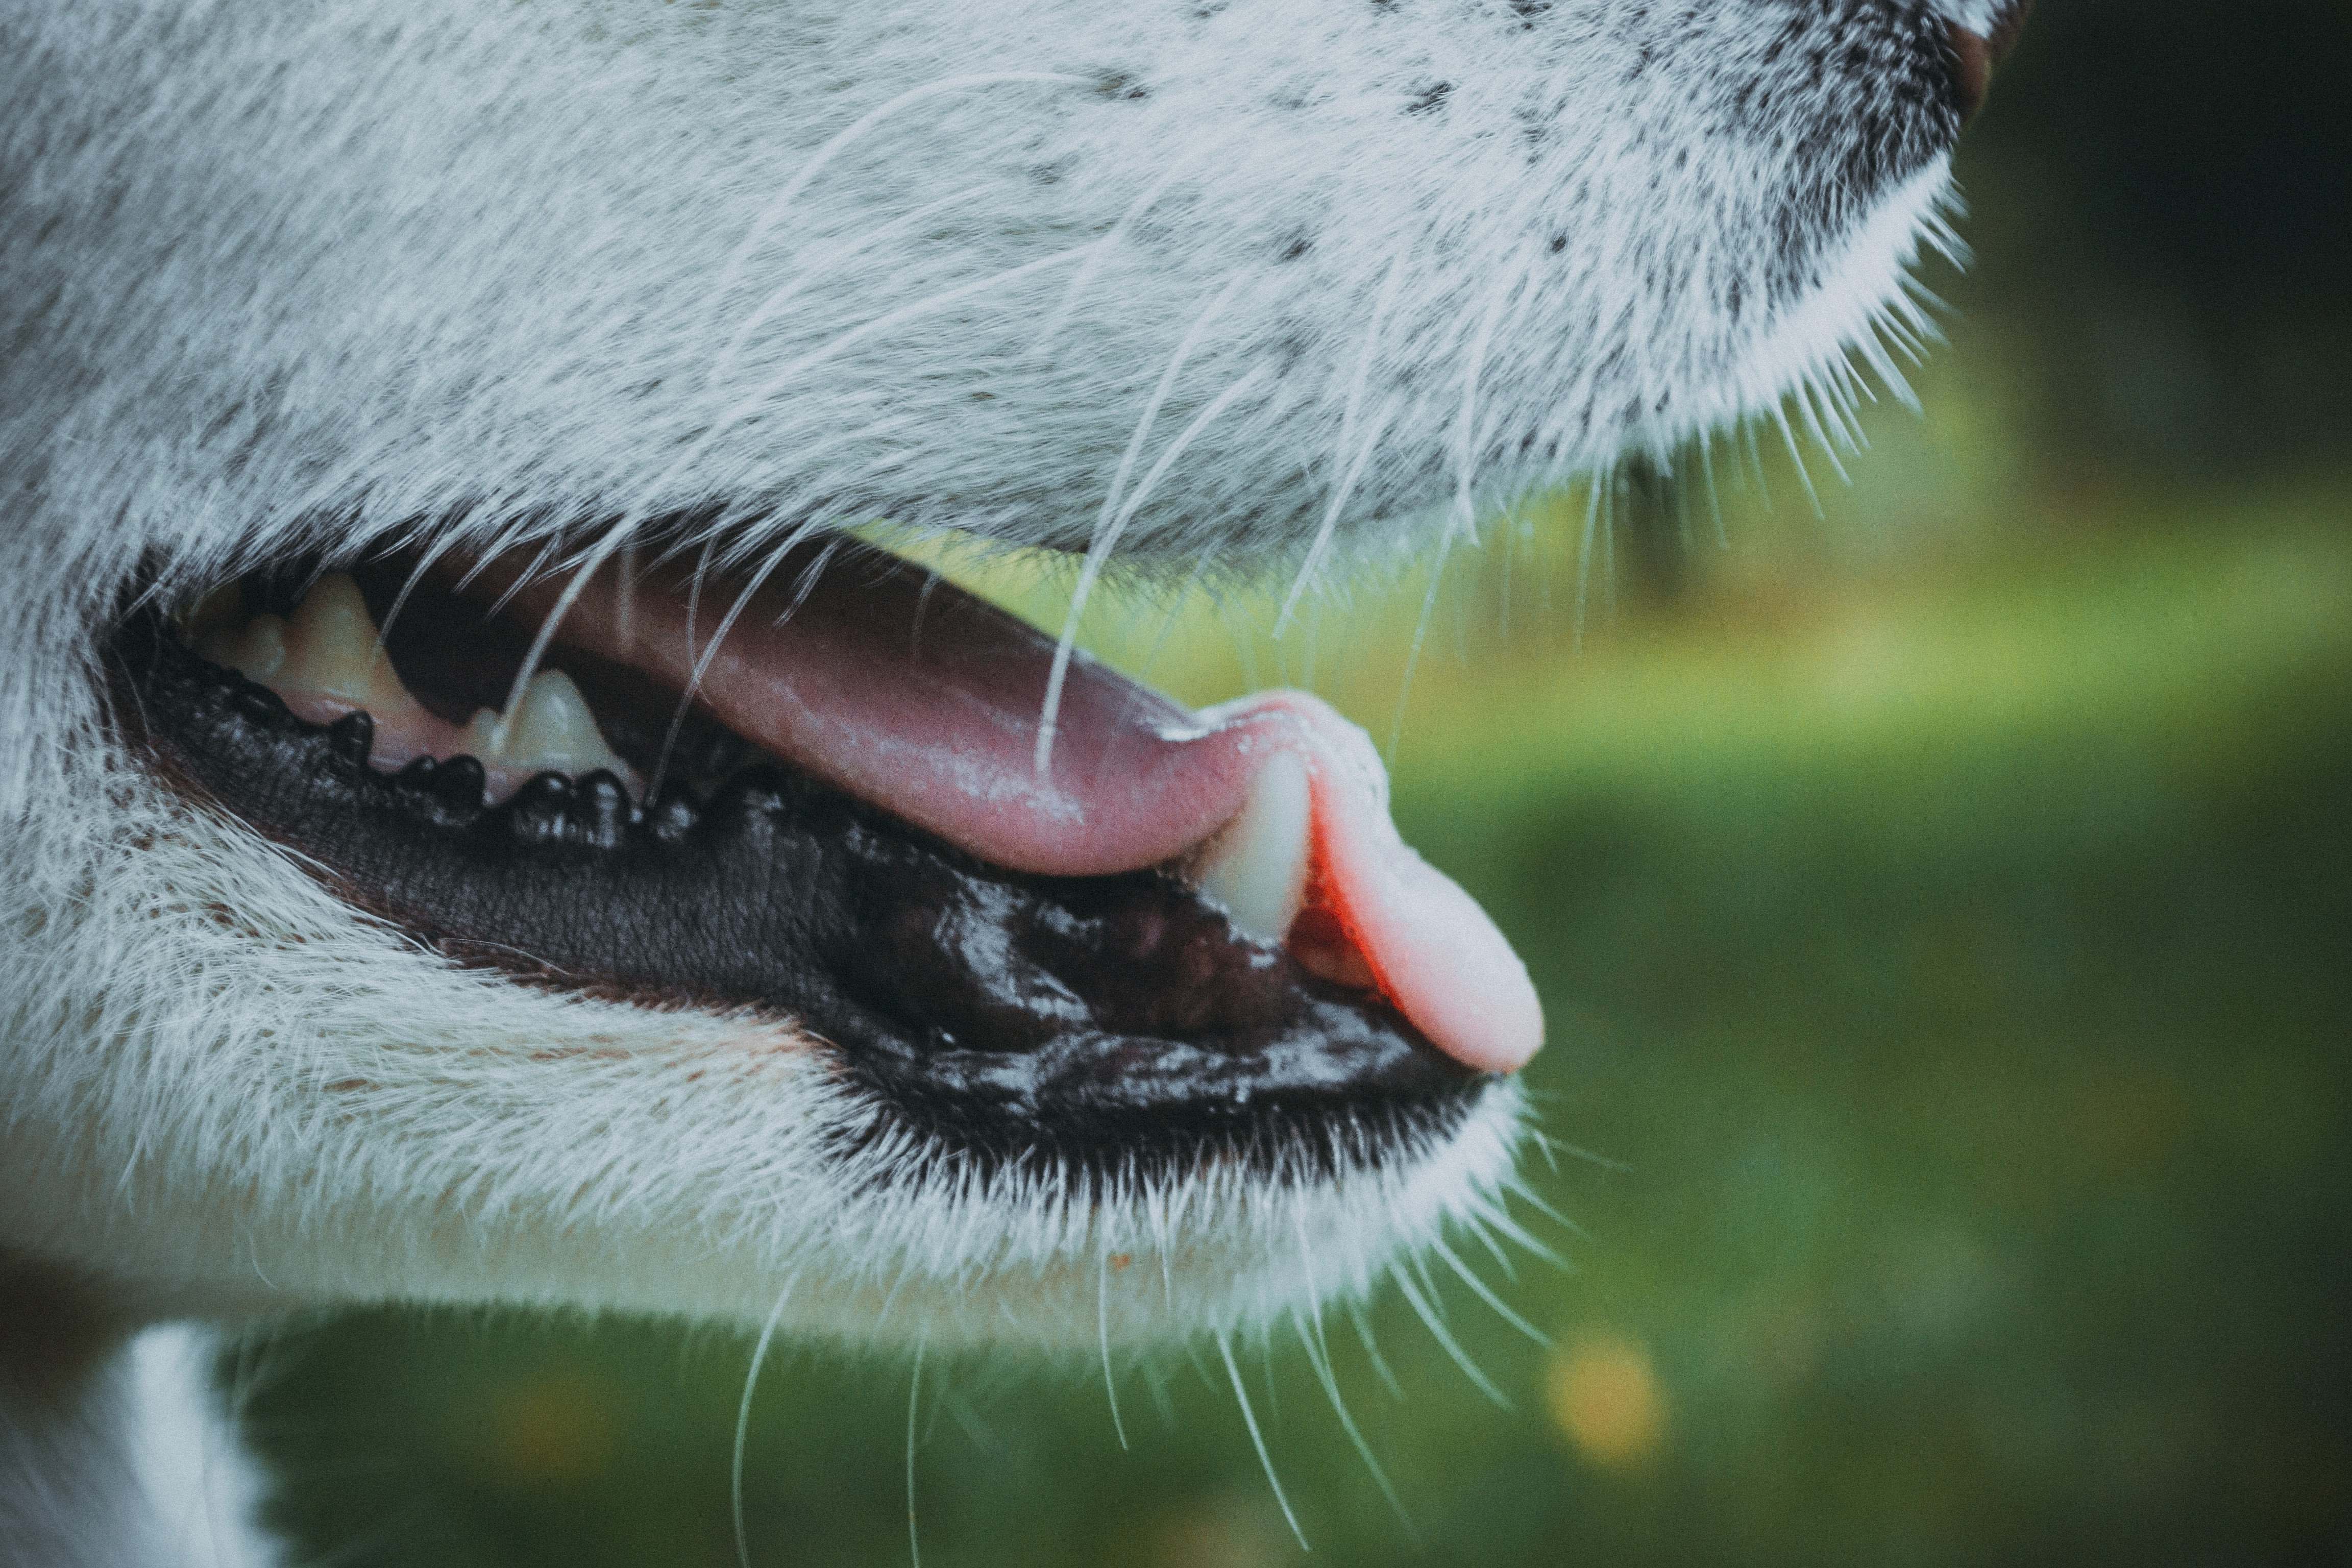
(1940, 898)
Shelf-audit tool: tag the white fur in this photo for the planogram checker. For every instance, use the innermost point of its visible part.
(281, 276)
(138, 1469)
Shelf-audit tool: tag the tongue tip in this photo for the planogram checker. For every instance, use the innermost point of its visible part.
(1492, 1023)
(1446, 967)
(1432, 951)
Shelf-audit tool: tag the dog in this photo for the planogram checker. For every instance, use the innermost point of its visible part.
(482, 826)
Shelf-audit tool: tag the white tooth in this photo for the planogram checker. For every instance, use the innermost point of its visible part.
(333, 651)
(1256, 867)
(256, 650)
(482, 736)
(551, 729)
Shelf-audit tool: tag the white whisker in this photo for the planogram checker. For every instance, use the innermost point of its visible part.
(1420, 637)
(1257, 1440)
(1107, 532)
(624, 610)
(1521, 1237)
(1788, 438)
(431, 553)
(1528, 1195)
(1466, 424)
(914, 1396)
(523, 579)
(619, 531)
(1102, 1335)
(1446, 1341)
(1100, 249)
(1601, 482)
(1714, 490)
(1325, 532)
(1100, 552)
(743, 1420)
(769, 308)
(1380, 1363)
(1349, 470)
(1479, 1218)
(1485, 1293)
(842, 342)
(775, 557)
(1318, 1357)
(597, 555)
(781, 205)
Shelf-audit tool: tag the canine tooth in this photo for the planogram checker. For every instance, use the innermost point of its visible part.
(551, 729)
(332, 650)
(1256, 867)
(256, 650)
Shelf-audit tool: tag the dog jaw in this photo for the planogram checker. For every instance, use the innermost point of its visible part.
(282, 1105)
(1275, 281)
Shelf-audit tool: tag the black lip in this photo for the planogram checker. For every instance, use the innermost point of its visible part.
(1115, 1024)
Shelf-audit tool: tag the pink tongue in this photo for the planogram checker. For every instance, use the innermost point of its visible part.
(911, 694)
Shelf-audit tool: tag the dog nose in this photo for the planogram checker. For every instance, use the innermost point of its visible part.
(1975, 53)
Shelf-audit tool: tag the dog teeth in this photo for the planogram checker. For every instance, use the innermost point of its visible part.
(328, 660)
(333, 651)
(551, 731)
(256, 650)
(1256, 867)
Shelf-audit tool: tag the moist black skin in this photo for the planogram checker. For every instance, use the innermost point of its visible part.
(1118, 1024)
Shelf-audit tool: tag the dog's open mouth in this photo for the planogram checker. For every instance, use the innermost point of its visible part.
(1129, 933)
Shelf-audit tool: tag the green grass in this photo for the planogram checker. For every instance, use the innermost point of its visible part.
(1948, 963)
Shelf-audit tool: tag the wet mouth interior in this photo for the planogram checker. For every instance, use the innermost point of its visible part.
(603, 835)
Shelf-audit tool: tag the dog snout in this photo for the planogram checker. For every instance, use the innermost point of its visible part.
(1977, 50)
